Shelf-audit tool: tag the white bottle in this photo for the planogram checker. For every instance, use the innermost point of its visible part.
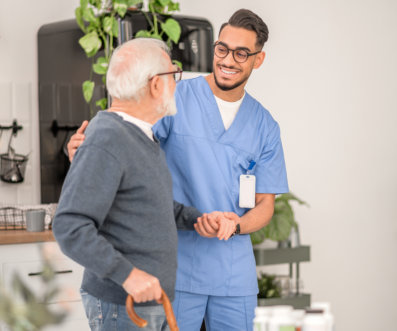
(326, 307)
(262, 318)
(298, 315)
(314, 320)
(282, 319)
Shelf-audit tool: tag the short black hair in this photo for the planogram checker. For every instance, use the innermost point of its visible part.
(244, 18)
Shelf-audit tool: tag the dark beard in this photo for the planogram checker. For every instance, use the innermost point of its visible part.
(228, 88)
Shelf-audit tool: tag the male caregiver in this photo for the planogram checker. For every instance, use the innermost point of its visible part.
(219, 134)
(116, 215)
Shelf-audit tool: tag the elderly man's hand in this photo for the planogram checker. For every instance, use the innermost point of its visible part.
(206, 225)
(76, 140)
(142, 286)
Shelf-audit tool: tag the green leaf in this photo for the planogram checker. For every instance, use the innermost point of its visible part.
(131, 3)
(172, 29)
(83, 4)
(89, 16)
(155, 36)
(178, 63)
(173, 6)
(101, 66)
(103, 103)
(258, 236)
(96, 3)
(163, 3)
(121, 7)
(91, 43)
(108, 24)
(79, 18)
(115, 28)
(282, 222)
(88, 90)
(143, 34)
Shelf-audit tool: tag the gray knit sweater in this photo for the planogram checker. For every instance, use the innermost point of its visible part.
(116, 210)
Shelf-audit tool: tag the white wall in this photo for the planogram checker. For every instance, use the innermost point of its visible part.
(330, 79)
(19, 23)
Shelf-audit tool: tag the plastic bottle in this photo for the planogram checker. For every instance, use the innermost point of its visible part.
(282, 319)
(298, 315)
(314, 320)
(326, 307)
(262, 318)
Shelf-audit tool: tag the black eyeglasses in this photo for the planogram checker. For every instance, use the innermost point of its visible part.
(177, 74)
(240, 55)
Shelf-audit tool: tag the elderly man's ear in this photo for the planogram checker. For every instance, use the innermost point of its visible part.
(156, 87)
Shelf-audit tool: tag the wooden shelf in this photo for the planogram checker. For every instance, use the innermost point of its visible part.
(8, 237)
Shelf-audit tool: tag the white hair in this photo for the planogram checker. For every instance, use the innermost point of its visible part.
(133, 64)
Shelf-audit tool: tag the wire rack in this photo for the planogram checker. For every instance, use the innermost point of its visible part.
(13, 217)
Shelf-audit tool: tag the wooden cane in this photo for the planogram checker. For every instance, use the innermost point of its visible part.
(141, 323)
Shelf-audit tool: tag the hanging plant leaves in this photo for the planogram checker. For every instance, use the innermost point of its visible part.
(173, 6)
(79, 18)
(101, 66)
(108, 24)
(89, 16)
(172, 29)
(143, 34)
(103, 103)
(178, 63)
(88, 90)
(163, 3)
(120, 6)
(91, 43)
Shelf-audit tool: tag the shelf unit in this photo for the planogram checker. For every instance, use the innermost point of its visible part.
(294, 255)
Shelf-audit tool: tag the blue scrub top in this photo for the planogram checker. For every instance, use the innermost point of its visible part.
(206, 162)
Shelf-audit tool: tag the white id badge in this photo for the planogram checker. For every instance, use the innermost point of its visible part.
(247, 191)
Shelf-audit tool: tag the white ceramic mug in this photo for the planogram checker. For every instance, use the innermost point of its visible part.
(35, 220)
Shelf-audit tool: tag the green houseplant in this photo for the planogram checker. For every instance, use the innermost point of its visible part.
(23, 310)
(98, 21)
(282, 222)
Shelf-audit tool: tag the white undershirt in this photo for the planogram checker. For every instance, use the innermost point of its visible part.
(228, 110)
(144, 126)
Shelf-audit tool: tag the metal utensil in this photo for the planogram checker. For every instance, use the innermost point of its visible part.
(11, 151)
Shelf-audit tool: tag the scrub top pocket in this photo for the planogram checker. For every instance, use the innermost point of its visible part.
(240, 167)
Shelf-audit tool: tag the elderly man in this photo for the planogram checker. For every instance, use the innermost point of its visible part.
(116, 215)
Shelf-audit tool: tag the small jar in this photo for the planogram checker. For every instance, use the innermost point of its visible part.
(298, 315)
(262, 318)
(282, 319)
(329, 318)
(314, 320)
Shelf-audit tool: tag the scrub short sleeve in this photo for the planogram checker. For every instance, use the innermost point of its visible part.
(162, 128)
(270, 172)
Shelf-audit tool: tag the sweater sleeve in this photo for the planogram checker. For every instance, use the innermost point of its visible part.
(87, 195)
(185, 216)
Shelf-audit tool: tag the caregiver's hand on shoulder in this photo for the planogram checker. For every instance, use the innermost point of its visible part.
(76, 140)
(142, 286)
(207, 225)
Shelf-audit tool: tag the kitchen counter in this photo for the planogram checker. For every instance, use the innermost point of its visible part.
(23, 237)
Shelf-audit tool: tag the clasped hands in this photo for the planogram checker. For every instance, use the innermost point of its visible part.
(217, 224)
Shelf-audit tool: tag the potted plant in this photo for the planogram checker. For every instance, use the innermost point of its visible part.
(282, 222)
(23, 310)
(98, 19)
